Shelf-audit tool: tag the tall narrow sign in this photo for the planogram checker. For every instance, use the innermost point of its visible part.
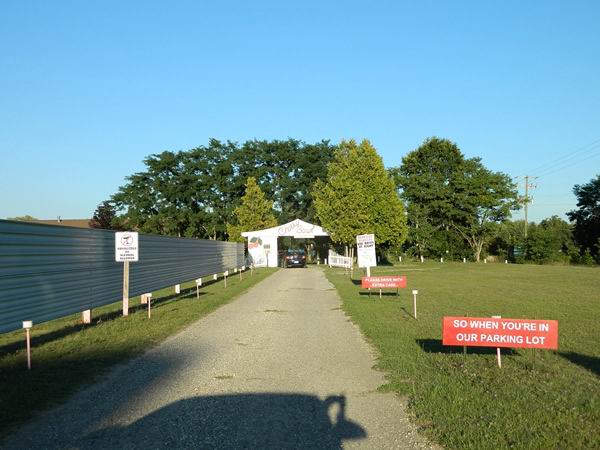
(126, 250)
(365, 250)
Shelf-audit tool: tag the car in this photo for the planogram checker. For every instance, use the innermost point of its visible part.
(295, 258)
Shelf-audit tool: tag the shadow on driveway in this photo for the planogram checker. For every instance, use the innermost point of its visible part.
(255, 420)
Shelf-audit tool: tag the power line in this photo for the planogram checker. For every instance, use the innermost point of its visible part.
(551, 171)
(581, 151)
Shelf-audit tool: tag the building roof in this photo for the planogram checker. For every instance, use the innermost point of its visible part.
(296, 228)
(75, 223)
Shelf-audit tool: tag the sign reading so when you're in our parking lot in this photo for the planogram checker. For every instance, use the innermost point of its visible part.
(126, 246)
(497, 332)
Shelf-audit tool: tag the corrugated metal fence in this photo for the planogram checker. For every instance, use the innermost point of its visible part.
(49, 271)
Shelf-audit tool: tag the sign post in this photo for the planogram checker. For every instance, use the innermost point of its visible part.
(27, 325)
(498, 354)
(415, 292)
(126, 250)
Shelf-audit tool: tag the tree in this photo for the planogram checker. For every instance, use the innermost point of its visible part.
(104, 217)
(586, 218)
(454, 194)
(550, 241)
(359, 197)
(25, 218)
(482, 199)
(254, 213)
(194, 193)
(426, 180)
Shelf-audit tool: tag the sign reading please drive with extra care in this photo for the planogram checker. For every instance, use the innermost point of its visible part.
(392, 282)
(491, 332)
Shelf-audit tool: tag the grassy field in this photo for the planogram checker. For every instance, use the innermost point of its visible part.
(467, 401)
(68, 355)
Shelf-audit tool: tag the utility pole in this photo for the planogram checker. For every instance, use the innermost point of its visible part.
(527, 186)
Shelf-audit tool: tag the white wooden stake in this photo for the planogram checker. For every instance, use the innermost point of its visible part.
(506, 261)
(27, 325)
(225, 275)
(400, 258)
(215, 277)
(178, 289)
(149, 300)
(498, 355)
(441, 260)
(198, 284)
(126, 288)
(422, 259)
(415, 292)
(86, 316)
(464, 260)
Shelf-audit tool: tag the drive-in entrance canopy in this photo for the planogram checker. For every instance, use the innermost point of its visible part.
(262, 244)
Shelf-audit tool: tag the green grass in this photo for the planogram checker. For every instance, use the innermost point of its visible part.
(68, 355)
(468, 402)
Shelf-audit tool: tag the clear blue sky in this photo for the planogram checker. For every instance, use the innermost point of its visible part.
(88, 89)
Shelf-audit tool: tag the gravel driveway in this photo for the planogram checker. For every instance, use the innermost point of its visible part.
(281, 367)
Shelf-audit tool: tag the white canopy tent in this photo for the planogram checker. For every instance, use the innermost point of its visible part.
(262, 244)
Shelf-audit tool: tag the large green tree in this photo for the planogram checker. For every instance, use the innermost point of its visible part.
(482, 199)
(194, 193)
(254, 213)
(358, 196)
(452, 196)
(586, 218)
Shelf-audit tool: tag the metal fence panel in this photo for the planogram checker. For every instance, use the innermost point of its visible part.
(49, 271)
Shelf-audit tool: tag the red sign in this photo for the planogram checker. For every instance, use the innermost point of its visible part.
(489, 332)
(393, 282)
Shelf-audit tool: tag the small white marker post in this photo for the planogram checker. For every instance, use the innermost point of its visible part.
(422, 259)
(506, 261)
(399, 258)
(86, 316)
(27, 325)
(499, 356)
(485, 260)
(442, 260)
(226, 274)
(178, 289)
(464, 260)
(415, 292)
(149, 301)
(215, 277)
(198, 284)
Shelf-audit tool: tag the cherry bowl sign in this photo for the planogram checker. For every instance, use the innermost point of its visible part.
(496, 332)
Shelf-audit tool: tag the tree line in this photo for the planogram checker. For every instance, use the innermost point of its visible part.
(436, 203)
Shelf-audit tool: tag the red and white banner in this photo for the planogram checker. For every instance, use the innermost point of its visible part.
(490, 332)
(393, 282)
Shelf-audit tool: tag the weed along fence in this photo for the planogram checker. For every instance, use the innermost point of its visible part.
(49, 271)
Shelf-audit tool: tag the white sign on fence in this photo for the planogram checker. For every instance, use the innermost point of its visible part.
(365, 250)
(126, 246)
